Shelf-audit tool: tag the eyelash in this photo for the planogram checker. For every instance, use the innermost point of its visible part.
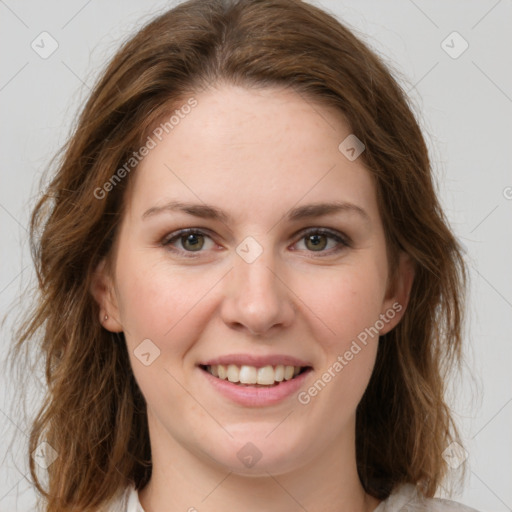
(334, 235)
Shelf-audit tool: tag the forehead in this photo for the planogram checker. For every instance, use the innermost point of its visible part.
(251, 150)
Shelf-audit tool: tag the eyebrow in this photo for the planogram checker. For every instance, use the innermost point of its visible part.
(205, 211)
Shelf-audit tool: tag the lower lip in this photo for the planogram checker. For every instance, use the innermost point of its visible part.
(256, 397)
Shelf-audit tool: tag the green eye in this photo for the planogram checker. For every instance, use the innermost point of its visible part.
(191, 240)
(316, 240)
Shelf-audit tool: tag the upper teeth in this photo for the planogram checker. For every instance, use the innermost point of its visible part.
(266, 375)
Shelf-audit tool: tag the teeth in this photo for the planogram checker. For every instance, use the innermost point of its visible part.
(248, 375)
(220, 369)
(264, 376)
(233, 373)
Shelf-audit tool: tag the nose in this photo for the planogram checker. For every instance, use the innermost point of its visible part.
(257, 298)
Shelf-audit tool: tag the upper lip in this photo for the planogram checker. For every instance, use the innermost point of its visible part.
(253, 360)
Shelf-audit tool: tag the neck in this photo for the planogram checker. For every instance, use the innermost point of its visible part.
(186, 481)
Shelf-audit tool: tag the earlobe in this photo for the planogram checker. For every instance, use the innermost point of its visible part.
(102, 290)
(398, 295)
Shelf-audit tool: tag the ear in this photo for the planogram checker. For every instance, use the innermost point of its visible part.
(102, 289)
(397, 295)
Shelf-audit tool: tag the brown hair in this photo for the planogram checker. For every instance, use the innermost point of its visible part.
(94, 414)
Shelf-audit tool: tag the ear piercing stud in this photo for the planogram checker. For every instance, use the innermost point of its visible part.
(105, 317)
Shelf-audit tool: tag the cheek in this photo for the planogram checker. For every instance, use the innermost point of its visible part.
(161, 304)
(346, 301)
(156, 300)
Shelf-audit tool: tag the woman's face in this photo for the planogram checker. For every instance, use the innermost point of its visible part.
(268, 278)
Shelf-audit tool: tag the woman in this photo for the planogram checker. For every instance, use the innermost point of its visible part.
(250, 295)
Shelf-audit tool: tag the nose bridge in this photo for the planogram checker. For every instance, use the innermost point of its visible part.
(257, 277)
(257, 299)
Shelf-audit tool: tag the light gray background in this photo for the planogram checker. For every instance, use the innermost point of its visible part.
(464, 105)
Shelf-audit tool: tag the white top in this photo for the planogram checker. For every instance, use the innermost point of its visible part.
(404, 499)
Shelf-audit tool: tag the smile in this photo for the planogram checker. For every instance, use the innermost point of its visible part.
(247, 375)
(241, 384)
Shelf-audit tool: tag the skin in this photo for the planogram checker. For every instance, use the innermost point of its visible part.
(256, 154)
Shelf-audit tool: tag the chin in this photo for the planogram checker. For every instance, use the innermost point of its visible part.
(260, 457)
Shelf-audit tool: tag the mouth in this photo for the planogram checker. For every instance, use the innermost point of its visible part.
(252, 376)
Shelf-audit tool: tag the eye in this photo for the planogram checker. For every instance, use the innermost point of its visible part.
(191, 240)
(316, 240)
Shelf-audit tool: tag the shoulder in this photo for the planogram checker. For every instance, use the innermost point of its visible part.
(406, 499)
(127, 500)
